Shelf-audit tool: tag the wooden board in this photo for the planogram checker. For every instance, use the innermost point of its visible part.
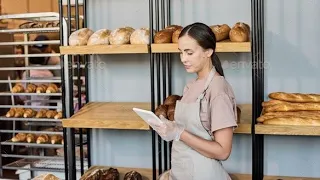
(287, 178)
(104, 49)
(225, 46)
(245, 119)
(287, 130)
(108, 115)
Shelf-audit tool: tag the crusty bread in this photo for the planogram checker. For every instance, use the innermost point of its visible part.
(294, 113)
(240, 32)
(100, 37)
(120, 36)
(267, 117)
(293, 107)
(272, 102)
(299, 121)
(175, 35)
(173, 27)
(46, 177)
(163, 36)
(295, 97)
(80, 37)
(221, 32)
(140, 36)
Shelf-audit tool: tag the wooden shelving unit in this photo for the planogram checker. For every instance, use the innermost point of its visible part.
(223, 46)
(105, 49)
(108, 115)
(245, 119)
(287, 130)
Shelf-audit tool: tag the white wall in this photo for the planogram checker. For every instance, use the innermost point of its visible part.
(291, 52)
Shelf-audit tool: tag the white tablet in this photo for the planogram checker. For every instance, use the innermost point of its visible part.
(147, 115)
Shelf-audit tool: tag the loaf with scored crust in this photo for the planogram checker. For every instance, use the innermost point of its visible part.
(295, 97)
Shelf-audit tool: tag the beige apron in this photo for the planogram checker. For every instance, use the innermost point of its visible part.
(186, 163)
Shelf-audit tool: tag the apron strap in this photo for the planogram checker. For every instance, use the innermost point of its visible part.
(211, 75)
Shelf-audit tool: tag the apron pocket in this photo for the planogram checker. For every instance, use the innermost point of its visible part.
(181, 170)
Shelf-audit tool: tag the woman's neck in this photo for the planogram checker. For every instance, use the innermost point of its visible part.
(204, 72)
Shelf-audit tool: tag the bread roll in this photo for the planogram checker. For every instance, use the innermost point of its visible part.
(140, 36)
(52, 88)
(51, 113)
(93, 173)
(161, 110)
(31, 88)
(163, 36)
(132, 175)
(171, 99)
(18, 88)
(110, 174)
(42, 139)
(100, 37)
(170, 112)
(120, 36)
(11, 112)
(46, 177)
(80, 37)
(19, 112)
(41, 113)
(42, 88)
(295, 97)
(173, 27)
(175, 35)
(20, 137)
(221, 32)
(31, 138)
(29, 113)
(240, 32)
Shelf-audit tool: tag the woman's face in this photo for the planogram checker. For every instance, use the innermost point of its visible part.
(192, 55)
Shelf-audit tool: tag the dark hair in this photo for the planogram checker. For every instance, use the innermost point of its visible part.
(206, 39)
(36, 60)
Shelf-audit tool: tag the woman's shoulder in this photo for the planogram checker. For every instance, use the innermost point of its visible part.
(220, 86)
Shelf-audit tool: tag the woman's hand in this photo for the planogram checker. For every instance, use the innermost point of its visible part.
(168, 130)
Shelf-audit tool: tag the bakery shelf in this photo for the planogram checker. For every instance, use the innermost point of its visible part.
(108, 115)
(29, 94)
(244, 127)
(105, 49)
(289, 130)
(35, 145)
(224, 46)
(29, 119)
(287, 178)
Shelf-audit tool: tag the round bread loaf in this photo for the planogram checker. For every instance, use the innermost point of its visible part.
(99, 37)
(80, 37)
(120, 36)
(132, 175)
(221, 31)
(161, 110)
(171, 99)
(243, 25)
(173, 27)
(163, 36)
(140, 36)
(238, 34)
(110, 174)
(175, 35)
(170, 112)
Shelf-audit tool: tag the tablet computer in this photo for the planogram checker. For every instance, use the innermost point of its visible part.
(147, 116)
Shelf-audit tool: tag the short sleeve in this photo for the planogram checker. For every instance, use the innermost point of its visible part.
(223, 114)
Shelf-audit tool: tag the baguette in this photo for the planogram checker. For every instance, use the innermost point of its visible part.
(272, 102)
(267, 117)
(296, 121)
(294, 113)
(295, 97)
(293, 107)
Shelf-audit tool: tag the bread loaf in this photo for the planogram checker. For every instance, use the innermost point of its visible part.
(283, 116)
(46, 177)
(272, 102)
(161, 110)
(238, 114)
(173, 27)
(171, 99)
(100, 37)
(299, 121)
(293, 113)
(80, 37)
(295, 97)
(163, 36)
(110, 174)
(140, 36)
(221, 32)
(120, 36)
(93, 173)
(240, 32)
(293, 107)
(132, 175)
(175, 35)
(170, 112)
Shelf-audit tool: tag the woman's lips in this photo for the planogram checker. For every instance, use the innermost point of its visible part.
(187, 67)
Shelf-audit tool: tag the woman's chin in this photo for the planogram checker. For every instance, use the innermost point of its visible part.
(190, 70)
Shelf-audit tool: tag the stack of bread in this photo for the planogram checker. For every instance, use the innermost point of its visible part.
(240, 32)
(167, 109)
(30, 113)
(291, 109)
(118, 36)
(32, 88)
(38, 138)
(110, 173)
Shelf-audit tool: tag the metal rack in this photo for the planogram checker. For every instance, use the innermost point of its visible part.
(31, 161)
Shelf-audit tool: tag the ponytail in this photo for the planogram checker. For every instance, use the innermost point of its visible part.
(217, 64)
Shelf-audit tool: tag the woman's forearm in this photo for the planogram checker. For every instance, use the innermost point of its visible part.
(208, 148)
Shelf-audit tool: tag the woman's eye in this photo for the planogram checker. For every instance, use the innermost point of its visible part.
(189, 54)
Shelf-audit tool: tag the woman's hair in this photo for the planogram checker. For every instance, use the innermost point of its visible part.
(206, 39)
(36, 60)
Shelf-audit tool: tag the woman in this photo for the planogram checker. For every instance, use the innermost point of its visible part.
(205, 116)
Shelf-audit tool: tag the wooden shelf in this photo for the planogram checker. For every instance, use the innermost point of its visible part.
(224, 46)
(245, 119)
(287, 130)
(287, 178)
(104, 49)
(108, 115)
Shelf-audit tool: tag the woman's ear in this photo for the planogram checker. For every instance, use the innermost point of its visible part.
(209, 53)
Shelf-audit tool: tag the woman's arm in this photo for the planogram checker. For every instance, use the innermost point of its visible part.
(219, 149)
